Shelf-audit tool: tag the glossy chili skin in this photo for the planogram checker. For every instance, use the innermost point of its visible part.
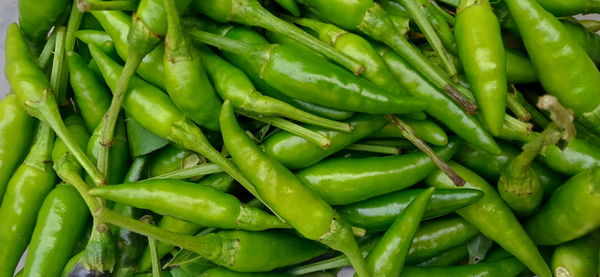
(447, 258)
(562, 219)
(100, 39)
(563, 66)
(378, 213)
(472, 158)
(24, 196)
(388, 256)
(341, 181)
(91, 95)
(171, 158)
(509, 267)
(588, 40)
(578, 257)
(489, 213)
(481, 51)
(117, 25)
(199, 204)
(313, 79)
(60, 223)
(435, 237)
(440, 106)
(295, 152)
(281, 190)
(570, 7)
(426, 130)
(186, 79)
(16, 130)
(37, 18)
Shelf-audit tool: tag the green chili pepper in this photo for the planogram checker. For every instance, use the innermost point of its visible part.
(481, 52)
(223, 272)
(236, 250)
(508, 267)
(519, 69)
(489, 213)
(250, 12)
(60, 223)
(248, 35)
(154, 111)
(296, 75)
(570, 7)
(441, 108)
(117, 25)
(295, 152)
(130, 245)
(426, 130)
(29, 83)
(185, 77)
(100, 39)
(25, 193)
(91, 95)
(199, 204)
(286, 194)
(489, 166)
(435, 237)
(388, 256)
(171, 158)
(567, 214)
(37, 18)
(233, 85)
(378, 213)
(16, 128)
(590, 41)
(119, 151)
(447, 258)
(369, 18)
(562, 65)
(578, 257)
(343, 181)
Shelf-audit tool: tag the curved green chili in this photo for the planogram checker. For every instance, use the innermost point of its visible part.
(286, 194)
(578, 257)
(507, 267)
(481, 52)
(378, 213)
(489, 213)
(60, 223)
(16, 129)
(202, 205)
(568, 213)
(342, 181)
(388, 256)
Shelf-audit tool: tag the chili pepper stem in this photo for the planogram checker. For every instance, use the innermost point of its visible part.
(293, 128)
(71, 177)
(254, 14)
(46, 54)
(109, 120)
(516, 106)
(72, 27)
(274, 106)
(94, 5)
(190, 172)
(58, 68)
(188, 242)
(335, 262)
(409, 134)
(375, 148)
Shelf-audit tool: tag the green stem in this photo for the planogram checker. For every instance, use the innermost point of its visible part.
(47, 51)
(152, 247)
(58, 75)
(190, 172)
(333, 263)
(112, 114)
(188, 242)
(537, 117)
(515, 105)
(294, 128)
(218, 41)
(449, 17)
(118, 5)
(254, 14)
(409, 134)
(289, 111)
(72, 27)
(374, 149)
(65, 169)
(434, 40)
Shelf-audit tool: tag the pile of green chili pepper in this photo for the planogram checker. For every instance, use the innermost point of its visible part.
(301, 138)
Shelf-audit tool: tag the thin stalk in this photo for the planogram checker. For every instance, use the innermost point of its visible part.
(409, 134)
(47, 51)
(152, 246)
(447, 15)
(112, 114)
(259, 16)
(58, 76)
(537, 117)
(73, 178)
(333, 263)
(562, 118)
(374, 149)
(190, 172)
(451, 3)
(516, 125)
(72, 27)
(432, 37)
(92, 5)
(294, 128)
(513, 103)
(183, 241)
(289, 111)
